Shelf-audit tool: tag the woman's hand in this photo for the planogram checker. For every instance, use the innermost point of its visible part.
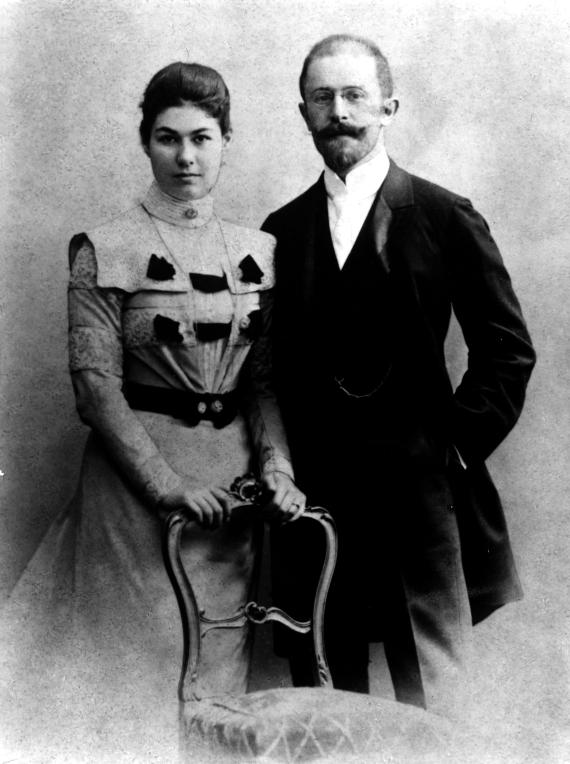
(286, 502)
(209, 506)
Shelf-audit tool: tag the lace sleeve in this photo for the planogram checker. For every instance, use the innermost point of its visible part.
(96, 365)
(260, 405)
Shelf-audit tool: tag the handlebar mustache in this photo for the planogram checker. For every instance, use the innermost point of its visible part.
(332, 131)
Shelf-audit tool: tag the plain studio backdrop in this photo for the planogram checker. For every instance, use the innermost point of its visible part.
(484, 92)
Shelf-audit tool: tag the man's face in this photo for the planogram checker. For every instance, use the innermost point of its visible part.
(344, 108)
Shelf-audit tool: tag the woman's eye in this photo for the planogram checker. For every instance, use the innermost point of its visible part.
(166, 139)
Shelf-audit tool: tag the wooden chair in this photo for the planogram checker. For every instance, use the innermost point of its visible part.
(290, 724)
(246, 492)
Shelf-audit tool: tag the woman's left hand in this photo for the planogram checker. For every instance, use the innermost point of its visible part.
(286, 502)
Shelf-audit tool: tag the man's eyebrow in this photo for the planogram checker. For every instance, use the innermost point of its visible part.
(328, 89)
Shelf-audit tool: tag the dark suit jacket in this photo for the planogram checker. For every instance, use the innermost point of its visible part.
(439, 256)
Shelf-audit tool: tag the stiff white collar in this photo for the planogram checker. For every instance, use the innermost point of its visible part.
(190, 214)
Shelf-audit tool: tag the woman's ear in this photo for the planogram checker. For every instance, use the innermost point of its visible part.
(145, 149)
(226, 138)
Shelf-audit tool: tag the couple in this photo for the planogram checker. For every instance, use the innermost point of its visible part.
(197, 345)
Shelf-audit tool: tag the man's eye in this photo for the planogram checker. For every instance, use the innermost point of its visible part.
(322, 98)
(199, 139)
(354, 95)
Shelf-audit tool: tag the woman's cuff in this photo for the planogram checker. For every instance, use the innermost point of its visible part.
(160, 480)
(278, 464)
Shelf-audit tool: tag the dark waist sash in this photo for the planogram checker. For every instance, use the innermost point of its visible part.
(220, 409)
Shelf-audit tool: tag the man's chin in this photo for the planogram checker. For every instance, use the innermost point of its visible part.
(339, 161)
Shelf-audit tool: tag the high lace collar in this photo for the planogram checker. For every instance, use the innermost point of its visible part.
(190, 214)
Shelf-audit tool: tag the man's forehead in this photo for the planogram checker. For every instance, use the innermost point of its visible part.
(350, 65)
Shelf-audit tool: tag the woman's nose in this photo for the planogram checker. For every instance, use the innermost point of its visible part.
(185, 154)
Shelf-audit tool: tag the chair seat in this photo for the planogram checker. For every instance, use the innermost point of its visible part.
(303, 724)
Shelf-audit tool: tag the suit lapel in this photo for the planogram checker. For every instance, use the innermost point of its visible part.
(392, 204)
(316, 208)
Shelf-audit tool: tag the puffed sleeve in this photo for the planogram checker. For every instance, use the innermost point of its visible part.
(260, 405)
(96, 362)
(490, 397)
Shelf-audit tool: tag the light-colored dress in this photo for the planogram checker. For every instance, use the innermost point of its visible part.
(94, 617)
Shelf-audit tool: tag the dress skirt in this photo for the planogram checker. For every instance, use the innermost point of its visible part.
(93, 627)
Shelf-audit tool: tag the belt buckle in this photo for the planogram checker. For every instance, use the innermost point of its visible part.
(210, 407)
(217, 406)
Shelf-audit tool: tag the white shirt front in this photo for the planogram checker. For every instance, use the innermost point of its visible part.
(349, 202)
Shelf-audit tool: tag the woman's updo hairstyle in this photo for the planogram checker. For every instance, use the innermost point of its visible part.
(180, 82)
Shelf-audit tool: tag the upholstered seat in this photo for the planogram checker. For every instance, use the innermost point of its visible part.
(314, 724)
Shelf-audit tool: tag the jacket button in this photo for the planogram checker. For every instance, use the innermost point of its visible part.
(244, 322)
(451, 507)
(202, 407)
(217, 407)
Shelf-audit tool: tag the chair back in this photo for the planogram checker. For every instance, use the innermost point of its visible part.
(247, 496)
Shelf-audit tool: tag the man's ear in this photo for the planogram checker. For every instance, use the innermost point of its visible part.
(389, 109)
(303, 110)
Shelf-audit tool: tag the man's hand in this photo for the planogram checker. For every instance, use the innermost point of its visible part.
(286, 502)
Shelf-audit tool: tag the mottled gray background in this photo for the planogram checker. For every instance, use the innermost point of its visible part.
(484, 92)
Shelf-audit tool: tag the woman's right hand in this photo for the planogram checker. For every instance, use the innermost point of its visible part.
(209, 506)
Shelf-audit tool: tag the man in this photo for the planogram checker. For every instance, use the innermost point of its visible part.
(370, 263)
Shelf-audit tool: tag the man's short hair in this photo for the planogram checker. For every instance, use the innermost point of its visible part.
(334, 44)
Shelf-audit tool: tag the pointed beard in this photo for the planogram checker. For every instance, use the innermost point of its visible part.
(339, 156)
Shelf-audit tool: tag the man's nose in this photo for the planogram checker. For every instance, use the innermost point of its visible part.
(338, 108)
(186, 153)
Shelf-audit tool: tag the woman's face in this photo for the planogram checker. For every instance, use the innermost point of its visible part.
(185, 148)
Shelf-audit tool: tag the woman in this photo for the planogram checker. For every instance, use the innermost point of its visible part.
(168, 312)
